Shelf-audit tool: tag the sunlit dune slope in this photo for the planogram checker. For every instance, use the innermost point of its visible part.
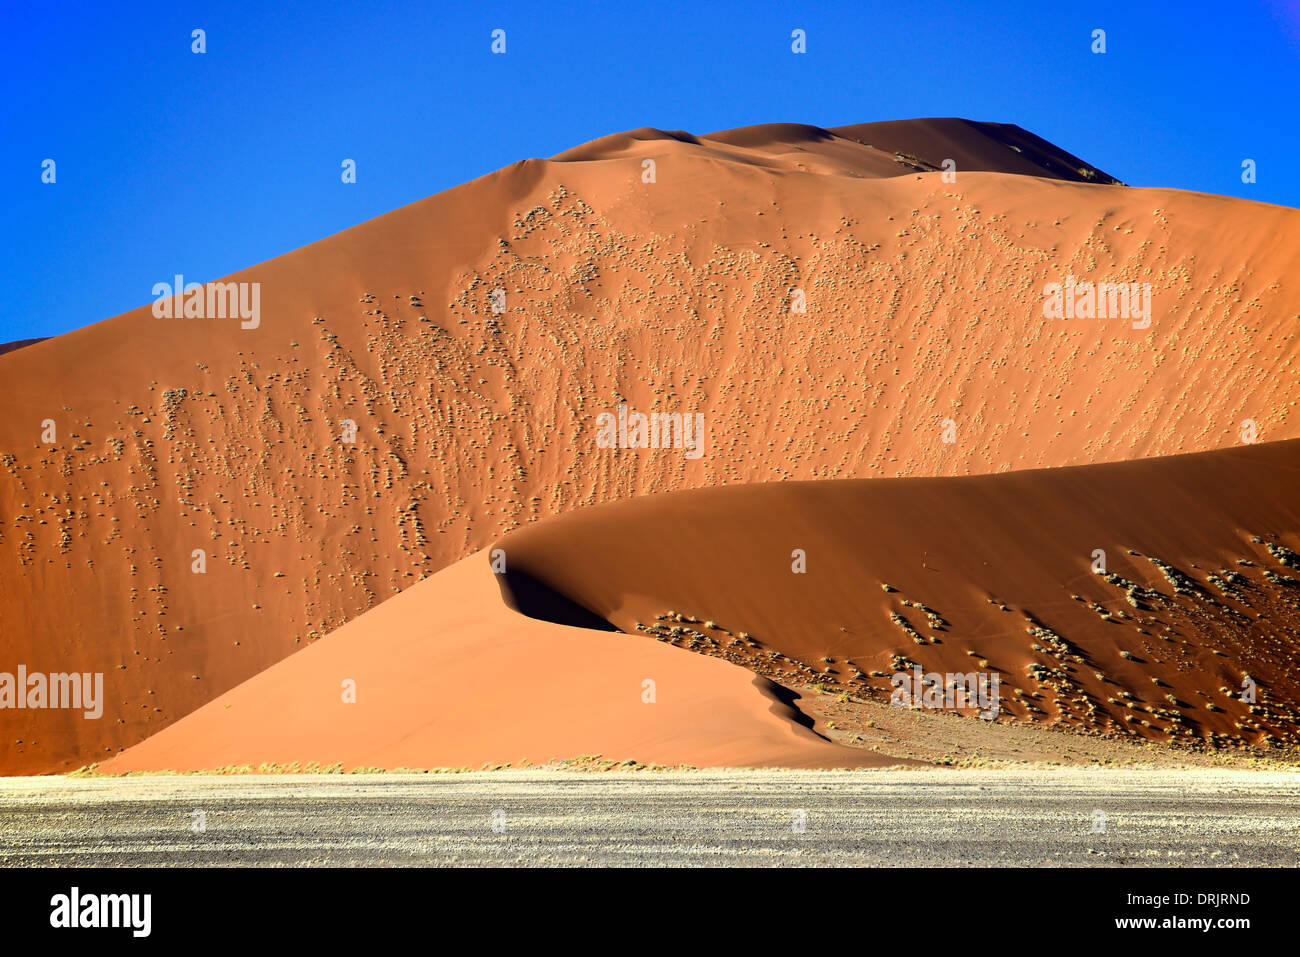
(446, 675)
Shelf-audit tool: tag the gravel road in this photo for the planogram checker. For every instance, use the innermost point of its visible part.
(940, 817)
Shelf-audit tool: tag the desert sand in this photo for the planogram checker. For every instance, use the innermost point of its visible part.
(447, 675)
(922, 303)
(955, 575)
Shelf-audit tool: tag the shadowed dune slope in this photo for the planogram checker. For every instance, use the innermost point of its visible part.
(447, 675)
(989, 573)
(892, 148)
(18, 344)
(991, 147)
(922, 304)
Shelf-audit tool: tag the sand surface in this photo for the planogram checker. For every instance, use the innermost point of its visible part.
(447, 675)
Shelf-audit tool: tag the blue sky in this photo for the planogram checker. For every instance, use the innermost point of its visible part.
(173, 162)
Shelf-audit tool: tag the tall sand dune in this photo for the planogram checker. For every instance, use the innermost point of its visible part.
(831, 307)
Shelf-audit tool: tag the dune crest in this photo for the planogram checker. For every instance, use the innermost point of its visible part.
(874, 150)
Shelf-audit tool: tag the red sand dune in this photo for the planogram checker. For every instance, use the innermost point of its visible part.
(446, 675)
(924, 303)
(973, 564)
(1200, 550)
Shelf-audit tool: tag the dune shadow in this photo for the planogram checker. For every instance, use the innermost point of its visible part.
(784, 704)
(535, 599)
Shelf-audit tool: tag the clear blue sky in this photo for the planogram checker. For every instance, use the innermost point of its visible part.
(169, 162)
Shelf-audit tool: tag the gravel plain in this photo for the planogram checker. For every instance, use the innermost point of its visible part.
(894, 818)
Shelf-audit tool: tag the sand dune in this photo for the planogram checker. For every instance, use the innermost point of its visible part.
(985, 574)
(1130, 599)
(923, 305)
(447, 675)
